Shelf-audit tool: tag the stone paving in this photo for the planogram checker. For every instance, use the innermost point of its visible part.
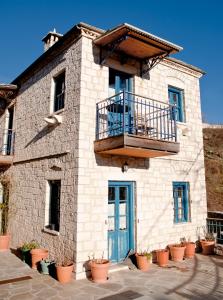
(199, 278)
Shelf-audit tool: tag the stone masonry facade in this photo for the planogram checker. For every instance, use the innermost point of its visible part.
(67, 153)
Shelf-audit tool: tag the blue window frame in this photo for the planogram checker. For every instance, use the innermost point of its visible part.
(181, 202)
(176, 98)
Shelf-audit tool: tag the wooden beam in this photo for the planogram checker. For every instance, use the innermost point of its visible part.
(135, 146)
(146, 143)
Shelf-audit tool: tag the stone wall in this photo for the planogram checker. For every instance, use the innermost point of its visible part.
(47, 153)
(154, 226)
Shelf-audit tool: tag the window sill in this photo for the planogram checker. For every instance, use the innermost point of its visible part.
(182, 124)
(58, 112)
(50, 231)
(182, 223)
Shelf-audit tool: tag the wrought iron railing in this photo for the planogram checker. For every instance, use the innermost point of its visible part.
(215, 226)
(133, 114)
(7, 142)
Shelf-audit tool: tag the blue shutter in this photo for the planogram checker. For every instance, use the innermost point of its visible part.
(176, 98)
(186, 202)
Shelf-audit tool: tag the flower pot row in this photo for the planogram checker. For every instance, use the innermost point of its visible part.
(36, 257)
(177, 251)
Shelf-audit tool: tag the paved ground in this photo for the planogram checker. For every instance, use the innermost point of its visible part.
(200, 278)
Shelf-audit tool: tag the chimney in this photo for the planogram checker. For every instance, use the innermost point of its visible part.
(50, 39)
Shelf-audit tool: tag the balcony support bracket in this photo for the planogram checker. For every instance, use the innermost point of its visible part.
(147, 64)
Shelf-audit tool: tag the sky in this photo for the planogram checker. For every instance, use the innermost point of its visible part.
(195, 25)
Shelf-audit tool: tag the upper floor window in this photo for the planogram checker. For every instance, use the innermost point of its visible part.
(59, 92)
(181, 202)
(176, 98)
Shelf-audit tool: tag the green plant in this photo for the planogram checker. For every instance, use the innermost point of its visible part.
(29, 246)
(98, 260)
(4, 205)
(208, 236)
(145, 253)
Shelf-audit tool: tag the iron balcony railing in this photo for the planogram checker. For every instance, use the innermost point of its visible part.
(7, 142)
(215, 226)
(130, 113)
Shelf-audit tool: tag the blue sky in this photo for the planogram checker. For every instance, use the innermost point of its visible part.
(196, 25)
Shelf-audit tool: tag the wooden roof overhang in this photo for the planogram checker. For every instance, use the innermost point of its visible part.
(136, 43)
(8, 92)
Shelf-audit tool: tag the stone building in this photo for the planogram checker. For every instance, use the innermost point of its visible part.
(102, 139)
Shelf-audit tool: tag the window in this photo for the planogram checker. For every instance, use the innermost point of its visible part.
(53, 205)
(181, 202)
(176, 98)
(59, 92)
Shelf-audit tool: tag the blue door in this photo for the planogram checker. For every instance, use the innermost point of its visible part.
(120, 220)
(119, 82)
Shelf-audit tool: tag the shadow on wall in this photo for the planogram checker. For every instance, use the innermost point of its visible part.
(119, 161)
(43, 132)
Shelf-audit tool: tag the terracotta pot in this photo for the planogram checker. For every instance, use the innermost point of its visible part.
(190, 250)
(99, 270)
(177, 252)
(154, 256)
(162, 257)
(37, 255)
(207, 247)
(64, 273)
(142, 262)
(4, 242)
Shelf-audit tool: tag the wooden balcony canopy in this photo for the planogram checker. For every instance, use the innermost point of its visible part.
(136, 43)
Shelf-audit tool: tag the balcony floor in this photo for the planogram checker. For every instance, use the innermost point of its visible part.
(6, 160)
(135, 146)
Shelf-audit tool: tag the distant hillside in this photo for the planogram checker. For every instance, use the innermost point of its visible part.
(213, 153)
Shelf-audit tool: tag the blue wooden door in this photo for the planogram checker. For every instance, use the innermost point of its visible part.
(120, 220)
(119, 82)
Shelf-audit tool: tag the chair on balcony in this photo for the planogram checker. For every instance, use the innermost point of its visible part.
(144, 127)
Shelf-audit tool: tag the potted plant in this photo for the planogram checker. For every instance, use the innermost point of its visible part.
(190, 248)
(143, 259)
(5, 212)
(25, 250)
(177, 251)
(162, 257)
(37, 254)
(99, 269)
(208, 244)
(45, 264)
(64, 271)
(4, 236)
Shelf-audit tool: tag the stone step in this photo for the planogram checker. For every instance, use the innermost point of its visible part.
(117, 267)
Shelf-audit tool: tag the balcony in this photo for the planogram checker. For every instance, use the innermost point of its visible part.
(135, 126)
(7, 148)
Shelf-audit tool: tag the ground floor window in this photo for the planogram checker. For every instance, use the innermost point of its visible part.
(181, 202)
(53, 205)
